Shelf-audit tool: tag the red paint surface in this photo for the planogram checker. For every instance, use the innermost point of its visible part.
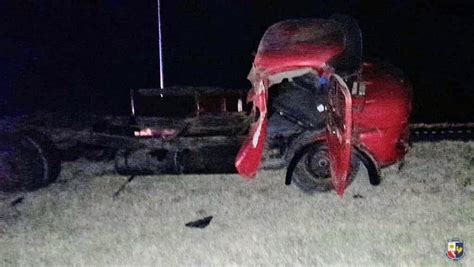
(278, 62)
(381, 116)
(339, 135)
(298, 43)
(249, 157)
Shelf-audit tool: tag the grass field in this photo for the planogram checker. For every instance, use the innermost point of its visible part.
(404, 221)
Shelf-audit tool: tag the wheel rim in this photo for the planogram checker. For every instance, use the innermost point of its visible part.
(316, 163)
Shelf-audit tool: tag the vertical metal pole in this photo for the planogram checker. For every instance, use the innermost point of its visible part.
(160, 46)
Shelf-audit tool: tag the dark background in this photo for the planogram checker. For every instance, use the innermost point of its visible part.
(84, 55)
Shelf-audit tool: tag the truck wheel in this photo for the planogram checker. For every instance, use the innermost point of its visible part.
(48, 150)
(311, 171)
(28, 161)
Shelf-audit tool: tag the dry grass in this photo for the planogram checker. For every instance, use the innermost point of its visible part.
(404, 221)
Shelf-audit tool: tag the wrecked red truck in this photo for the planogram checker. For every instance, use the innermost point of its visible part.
(312, 89)
(316, 108)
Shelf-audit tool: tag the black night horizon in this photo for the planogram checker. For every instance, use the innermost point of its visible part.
(86, 55)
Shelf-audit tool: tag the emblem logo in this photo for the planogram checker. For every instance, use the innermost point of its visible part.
(455, 249)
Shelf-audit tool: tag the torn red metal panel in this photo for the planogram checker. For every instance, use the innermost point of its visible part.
(339, 133)
(295, 43)
(250, 154)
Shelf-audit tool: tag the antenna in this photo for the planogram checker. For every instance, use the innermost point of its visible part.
(160, 48)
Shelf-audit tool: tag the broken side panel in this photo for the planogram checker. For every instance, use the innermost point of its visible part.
(250, 154)
(339, 132)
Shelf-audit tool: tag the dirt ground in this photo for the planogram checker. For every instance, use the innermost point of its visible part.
(404, 221)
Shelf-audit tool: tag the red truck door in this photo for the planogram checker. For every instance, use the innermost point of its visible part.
(339, 132)
(249, 157)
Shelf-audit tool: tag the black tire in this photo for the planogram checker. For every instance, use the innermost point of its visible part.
(28, 161)
(311, 170)
(50, 153)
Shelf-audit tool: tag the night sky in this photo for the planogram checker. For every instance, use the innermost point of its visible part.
(86, 55)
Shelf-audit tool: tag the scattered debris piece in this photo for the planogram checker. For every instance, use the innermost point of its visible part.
(401, 164)
(202, 223)
(321, 108)
(358, 196)
(17, 201)
(122, 187)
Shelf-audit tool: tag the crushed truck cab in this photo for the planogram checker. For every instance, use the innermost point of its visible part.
(321, 107)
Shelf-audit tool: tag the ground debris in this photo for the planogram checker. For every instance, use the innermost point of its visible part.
(201, 223)
(122, 187)
(17, 201)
